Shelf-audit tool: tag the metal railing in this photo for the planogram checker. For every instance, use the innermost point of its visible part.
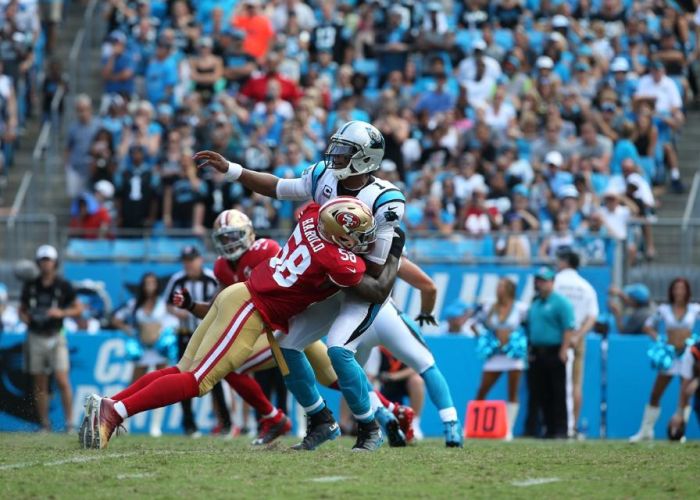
(19, 231)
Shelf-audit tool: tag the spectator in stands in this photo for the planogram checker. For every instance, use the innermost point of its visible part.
(257, 88)
(9, 316)
(393, 43)
(258, 29)
(503, 318)
(8, 120)
(616, 216)
(477, 217)
(663, 93)
(639, 192)
(118, 66)
(515, 245)
(144, 318)
(55, 81)
(137, 191)
(562, 236)
(161, 74)
(206, 69)
(183, 199)
(630, 307)
(434, 218)
(45, 302)
(550, 142)
(645, 138)
(438, 100)
(80, 137)
(550, 322)
(672, 324)
(594, 147)
(90, 219)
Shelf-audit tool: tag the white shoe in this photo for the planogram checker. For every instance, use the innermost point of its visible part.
(196, 435)
(155, 432)
(642, 436)
(646, 430)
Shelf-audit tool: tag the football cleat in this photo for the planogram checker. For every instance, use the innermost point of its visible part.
(453, 434)
(108, 421)
(320, 427)
(390, 426)
(271, 428)
(369, 437)
(404, 415)
(86, 432)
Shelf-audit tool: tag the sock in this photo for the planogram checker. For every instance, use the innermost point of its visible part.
(156, 420)
(353, 382)
(144, 381)
(301, 381)
(448, 414)
(251, 392)
(438, 390)
(375, 402)
(334, 385)
(163, 392)
(121, 409)
(385, 402)
(272, 414)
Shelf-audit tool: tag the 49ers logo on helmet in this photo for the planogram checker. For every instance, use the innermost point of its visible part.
(347, 219)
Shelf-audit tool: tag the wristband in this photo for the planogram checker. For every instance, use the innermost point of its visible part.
(234, 172)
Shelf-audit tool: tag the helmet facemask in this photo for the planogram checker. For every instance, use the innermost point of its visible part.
(231, 243)
(339, 158)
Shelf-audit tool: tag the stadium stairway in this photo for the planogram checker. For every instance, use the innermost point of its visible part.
(46, 193)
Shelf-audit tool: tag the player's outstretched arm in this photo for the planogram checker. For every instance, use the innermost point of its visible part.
(376, 290)
(265, 184)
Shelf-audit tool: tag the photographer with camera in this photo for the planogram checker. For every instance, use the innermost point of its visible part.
(45, 301)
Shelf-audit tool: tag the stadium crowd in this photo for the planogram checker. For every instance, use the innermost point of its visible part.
(29, 74)
(554, 117)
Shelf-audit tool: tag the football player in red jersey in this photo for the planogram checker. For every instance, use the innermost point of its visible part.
(239, 252)
(315, 263)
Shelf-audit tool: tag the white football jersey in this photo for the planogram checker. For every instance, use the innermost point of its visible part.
(387, 202)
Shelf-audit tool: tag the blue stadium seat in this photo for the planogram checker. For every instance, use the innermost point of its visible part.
(127, 249)
(504, 38)
(79, 248)
(171, 247)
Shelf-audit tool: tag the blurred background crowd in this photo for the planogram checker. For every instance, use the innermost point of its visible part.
(556, 117)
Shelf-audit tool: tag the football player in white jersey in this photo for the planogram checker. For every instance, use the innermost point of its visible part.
(354, 151)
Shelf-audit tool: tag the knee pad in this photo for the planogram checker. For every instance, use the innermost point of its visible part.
(340, 355)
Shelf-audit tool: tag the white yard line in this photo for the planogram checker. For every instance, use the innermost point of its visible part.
(329, 479)
(137, 475)
(535, 481)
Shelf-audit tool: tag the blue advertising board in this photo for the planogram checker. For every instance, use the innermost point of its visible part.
(99, 364)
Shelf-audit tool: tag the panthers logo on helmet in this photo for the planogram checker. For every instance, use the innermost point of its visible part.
(347, 219)
(377, 141)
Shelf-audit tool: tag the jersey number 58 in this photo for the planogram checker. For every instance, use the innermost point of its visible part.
(289, 266)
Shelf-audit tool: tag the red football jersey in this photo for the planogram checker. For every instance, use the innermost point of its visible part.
(307, 270)
(229, 273)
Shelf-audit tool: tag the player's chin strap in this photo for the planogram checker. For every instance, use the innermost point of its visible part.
(277, 353)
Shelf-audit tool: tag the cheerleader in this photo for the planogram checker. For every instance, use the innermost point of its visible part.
(501, 323)
(671, 327)
(145, 318)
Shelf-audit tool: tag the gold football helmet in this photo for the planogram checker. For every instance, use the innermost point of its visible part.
(233, 234)
(348, 223)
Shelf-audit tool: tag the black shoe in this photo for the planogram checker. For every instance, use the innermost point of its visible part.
(321, 427)
(369, 437)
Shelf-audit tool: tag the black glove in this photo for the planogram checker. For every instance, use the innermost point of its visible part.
(398, 242)
(182, 299)
(426, 318)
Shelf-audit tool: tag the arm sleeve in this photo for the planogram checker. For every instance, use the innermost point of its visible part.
(300, 189)
(388, 216)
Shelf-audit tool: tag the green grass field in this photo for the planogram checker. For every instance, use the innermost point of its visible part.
(35, 465)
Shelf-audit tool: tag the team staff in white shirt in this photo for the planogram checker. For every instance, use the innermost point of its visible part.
(569, 283)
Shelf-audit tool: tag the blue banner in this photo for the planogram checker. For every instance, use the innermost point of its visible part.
(99, 364)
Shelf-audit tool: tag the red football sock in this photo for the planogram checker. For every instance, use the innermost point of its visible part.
(334, 385)
(385, 402)
(251, 392)
(163, 392)
(144, 381)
